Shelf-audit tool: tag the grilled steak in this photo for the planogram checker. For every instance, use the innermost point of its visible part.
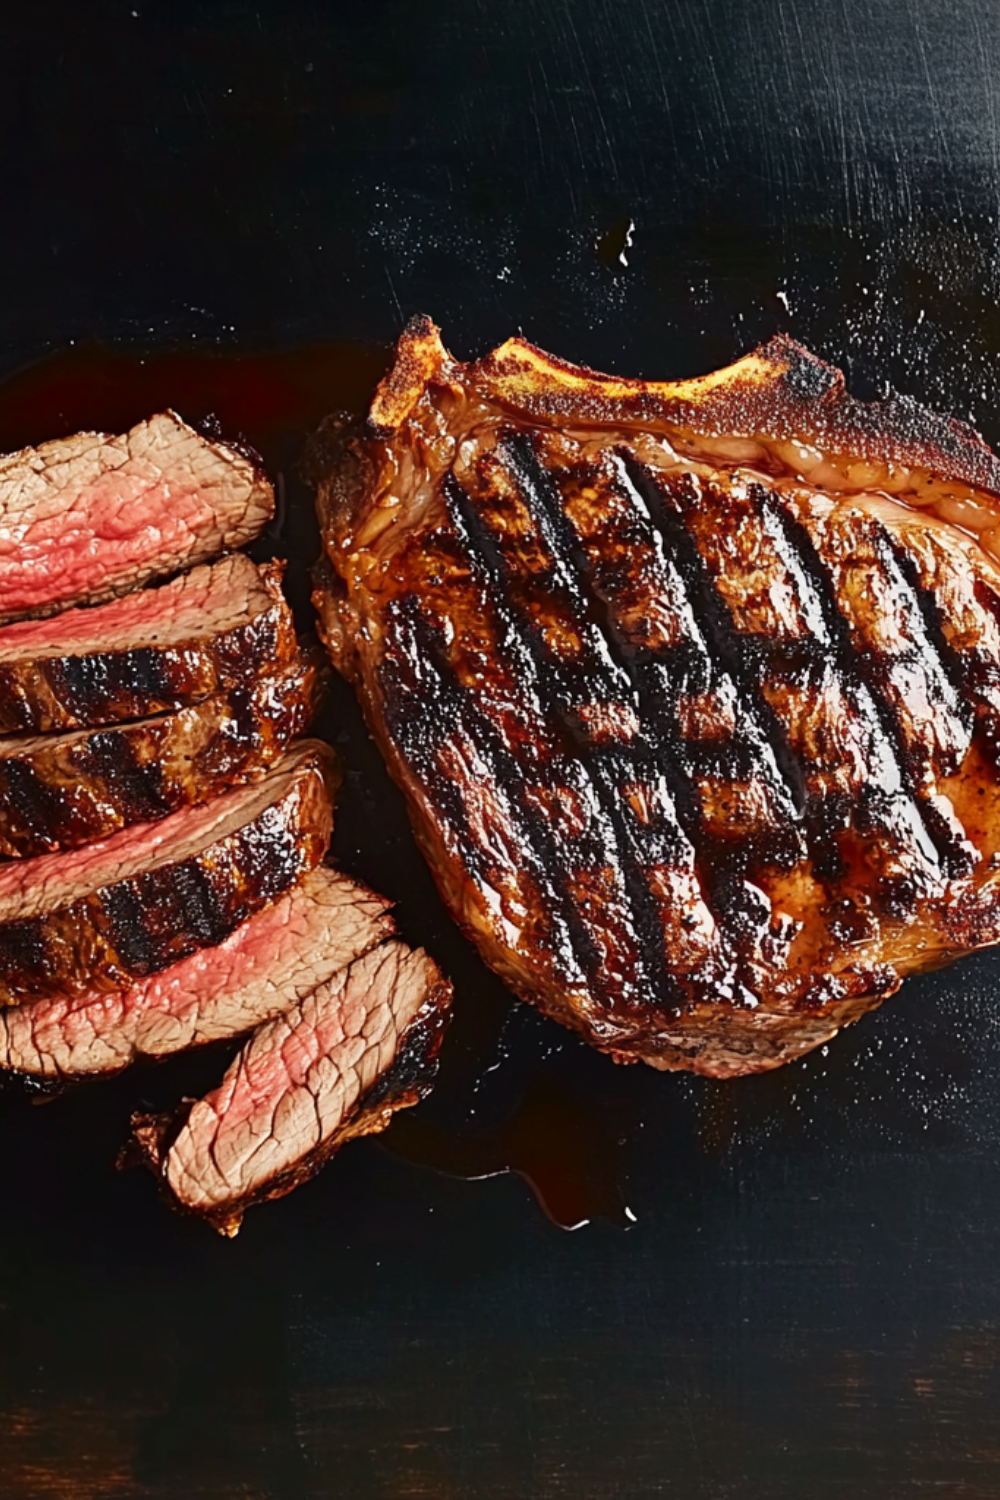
(63, 790)
(693, 689)
(335, 1066)
(155, 650)
(88, 517)
(271, 961)
(111, 913)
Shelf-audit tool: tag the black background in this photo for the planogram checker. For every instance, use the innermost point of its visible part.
(807, 1301)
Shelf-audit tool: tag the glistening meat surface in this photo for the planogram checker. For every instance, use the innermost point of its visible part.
(59, 791)
(87, 517)
(157, 649)
(693, 689)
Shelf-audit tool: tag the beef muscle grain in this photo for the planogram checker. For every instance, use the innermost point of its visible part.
(335, 1065)
(157, 649)
(114, 912)
(85, 518)
(693, 689)
(271, 961)
(58, 791)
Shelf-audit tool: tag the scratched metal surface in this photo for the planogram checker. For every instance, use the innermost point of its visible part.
(807, 1301)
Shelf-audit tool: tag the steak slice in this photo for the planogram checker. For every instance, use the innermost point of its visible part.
(61, 791)
(693, 689)
(336, 1065)
(111, 913)
(271, 961)
(158, 649)
(85, 518)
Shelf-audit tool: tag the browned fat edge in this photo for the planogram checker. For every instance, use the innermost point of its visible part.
(61, 796)
(138, 926)
(71, 692)
(780, 396)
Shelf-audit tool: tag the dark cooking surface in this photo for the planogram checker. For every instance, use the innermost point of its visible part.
(807, 1303)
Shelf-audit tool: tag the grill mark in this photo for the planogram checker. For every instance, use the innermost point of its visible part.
(125, 906)
(655, 691)
(555, 685)
(731, 653)
(945, 659)
(137, 785)
(82, 681)
(35, 805)
(419, 734)
(607, 776)
(860, 679)
(208, 919)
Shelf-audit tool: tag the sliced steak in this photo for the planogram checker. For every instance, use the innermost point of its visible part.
(114, 912)
(85, 518)
(693, 689)
(158, 649)
(62, 790)
(336, 1065)
(271, 961)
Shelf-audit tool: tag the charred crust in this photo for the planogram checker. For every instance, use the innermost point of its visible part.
(420, 357)
(69, 791)
(411, 1074)
(807, 378)
(135, 927)
(339, 464)
(151, 1138)
(780, 390)
(110, 687)
(210, 427)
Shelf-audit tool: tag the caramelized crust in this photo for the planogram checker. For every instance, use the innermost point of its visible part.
(63, 790)
(692, 688)
(114, 912)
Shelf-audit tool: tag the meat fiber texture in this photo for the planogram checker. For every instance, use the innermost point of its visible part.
(116, 911)
(89, 517)
(159, 649)
(60, 791)
(273, 960)
(693, 689)
(334, 1065)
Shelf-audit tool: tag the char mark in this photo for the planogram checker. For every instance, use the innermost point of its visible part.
(424, 704)
(31, 803)
(136, 787)
(862, 678)
(946, 664)
(89, 684)
(609, 674)
(732, 653)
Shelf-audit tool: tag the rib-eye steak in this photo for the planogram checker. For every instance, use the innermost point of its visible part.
(114, 912)
(87, 517)
(693, 689)
(334, 1066)
(271, 961)
(157, 649)
(58, 791)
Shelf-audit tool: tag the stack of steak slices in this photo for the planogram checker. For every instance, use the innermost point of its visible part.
(163, 825)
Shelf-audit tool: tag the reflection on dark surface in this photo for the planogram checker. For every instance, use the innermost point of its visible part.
(232, 208)
(564, 1149)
